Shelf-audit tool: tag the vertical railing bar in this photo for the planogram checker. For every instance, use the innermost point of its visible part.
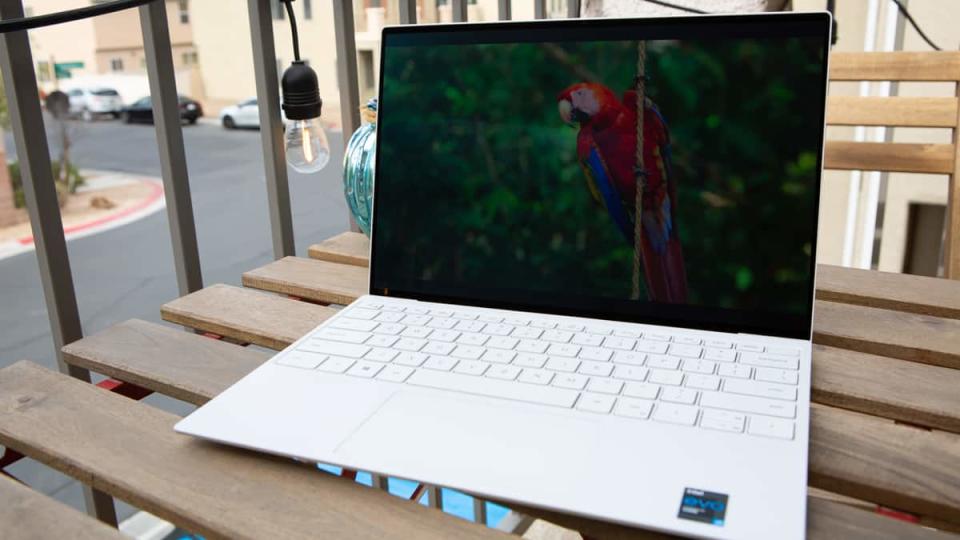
(435, 497)
(459, 10)
(408, 11)
(539, 9)
(480, 511)
(347, 66)
(173, 160)
(271, 127)
(43, 208)
(573, 9)
(503, 10)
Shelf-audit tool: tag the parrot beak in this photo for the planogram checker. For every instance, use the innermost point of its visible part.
(566, 110)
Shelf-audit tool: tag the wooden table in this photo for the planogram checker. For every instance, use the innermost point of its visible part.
(885, 424)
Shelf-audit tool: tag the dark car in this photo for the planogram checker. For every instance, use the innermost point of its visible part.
(142, 110)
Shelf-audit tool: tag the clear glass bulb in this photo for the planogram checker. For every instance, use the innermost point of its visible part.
(306, 146)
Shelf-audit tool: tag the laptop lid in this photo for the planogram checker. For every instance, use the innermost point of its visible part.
(510, 171)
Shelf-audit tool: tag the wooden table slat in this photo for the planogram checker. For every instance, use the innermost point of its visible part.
(129, 450)
(347, 248)
(316, 280)
(28, 515)
(900, 292)
(246, 315)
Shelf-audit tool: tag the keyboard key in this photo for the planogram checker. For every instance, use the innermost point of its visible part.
(632, 358)
(722, 420)
(390, 316)
(440, 363)
(761, 389)
(693, 365)
(561, 349)
(770, 427)
(486, 386)
(444, 335)
(720, 355)
(357, 325)
(570, 327)
(526, 332)
(413, 359)
(605, 386)
(568, 365)
(532, 346)
(416, 320)
(387, 306)
(369, 303)
(442, 323)
(675, 394)
(657, 336)
(633, 408)
(530, 360)
(595, 403)
(558, 336)
(662, 376)
(417, 310)
(623, 344)
(516, 321)
(535, 376)
(590, 340)
(769, 360)
(498, 329)
(472, 339)
(468, 352)
(394, 373)
(541, 323)
(702, 382)
(719, 343)
(463, 315)
(663, 362)
(445, 313)
(628, 333)
(390, 329)
(336, 334)
(774, 375)
(675, 414)
(471, 367)
(379, 340)
(381, 355)
(410, 344)
(336, 364)
(687, 340)
(687, 351)
(596, 354)
(334, 348)
(499, 356)
(747, 404)
(570, 380)
(630, 373)
(784, 351)
(365, 369)
(507, 373)
(597, 329)
(490, 319)
(416, 332)
(360, 313)
(641, 390)
(739, 371)
(652, 347)
(300, 359)
(502, 342)
(595, 369)
(750, 347)
(438, 347)
(469, 326)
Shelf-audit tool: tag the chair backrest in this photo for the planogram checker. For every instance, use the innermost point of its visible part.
(935, 112)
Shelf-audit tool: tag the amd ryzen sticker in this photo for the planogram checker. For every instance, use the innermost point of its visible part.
(703, 506)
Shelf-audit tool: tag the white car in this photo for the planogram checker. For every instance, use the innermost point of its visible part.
(245, 114)
(88, 103)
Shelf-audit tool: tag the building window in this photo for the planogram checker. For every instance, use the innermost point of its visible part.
(184, 9)
(116, 64)
(189, 58)
(307, 10)
(278, 10)
(43, 71)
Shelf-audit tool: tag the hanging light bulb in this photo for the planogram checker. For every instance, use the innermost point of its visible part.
(305, 141)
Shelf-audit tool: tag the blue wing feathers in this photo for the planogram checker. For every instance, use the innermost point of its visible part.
(611, 198)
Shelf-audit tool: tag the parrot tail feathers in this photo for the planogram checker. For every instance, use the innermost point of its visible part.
(665, 273)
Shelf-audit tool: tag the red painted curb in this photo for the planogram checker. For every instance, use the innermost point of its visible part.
(152, 198)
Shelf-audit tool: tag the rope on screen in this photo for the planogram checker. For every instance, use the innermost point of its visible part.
(640, 171)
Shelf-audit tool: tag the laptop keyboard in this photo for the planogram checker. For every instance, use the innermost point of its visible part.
(725, 385)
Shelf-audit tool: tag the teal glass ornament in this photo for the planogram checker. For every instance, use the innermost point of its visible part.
(359, 162)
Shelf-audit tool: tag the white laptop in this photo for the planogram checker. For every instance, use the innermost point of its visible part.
(519, 341)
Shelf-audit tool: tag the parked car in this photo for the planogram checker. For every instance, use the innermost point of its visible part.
(88, 103)
(142, 110)
(245, 114)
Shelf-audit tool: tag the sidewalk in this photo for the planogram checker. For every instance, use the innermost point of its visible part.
(120, 198)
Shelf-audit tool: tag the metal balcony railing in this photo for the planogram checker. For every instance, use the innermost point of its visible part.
(16, 64)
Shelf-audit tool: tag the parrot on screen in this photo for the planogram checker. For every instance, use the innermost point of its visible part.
(606, 150)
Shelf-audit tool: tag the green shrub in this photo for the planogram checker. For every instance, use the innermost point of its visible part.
(74, 180)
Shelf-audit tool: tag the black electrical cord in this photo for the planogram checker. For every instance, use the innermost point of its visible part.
(50, 19)
(913, 23)
(293, 29)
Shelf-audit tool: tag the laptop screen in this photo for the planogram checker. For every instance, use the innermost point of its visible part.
(511, 171)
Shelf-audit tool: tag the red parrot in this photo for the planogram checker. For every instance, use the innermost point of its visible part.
(606, 148)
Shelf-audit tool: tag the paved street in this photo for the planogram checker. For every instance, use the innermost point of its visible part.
(128, 272)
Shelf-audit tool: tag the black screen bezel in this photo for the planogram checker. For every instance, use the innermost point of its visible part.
(709, 318)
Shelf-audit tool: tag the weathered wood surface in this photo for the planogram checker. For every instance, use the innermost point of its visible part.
(129, 450)
(892, 111)
(886, 290)
(28, 515)
(347, 248)
(889, 157)
(895, 66)
(316, 280)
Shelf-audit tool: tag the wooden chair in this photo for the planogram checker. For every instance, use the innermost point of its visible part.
(928, 112)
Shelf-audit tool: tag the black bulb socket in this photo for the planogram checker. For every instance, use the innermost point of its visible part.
(301, 92)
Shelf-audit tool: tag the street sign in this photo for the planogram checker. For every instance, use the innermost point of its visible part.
(62, 69)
